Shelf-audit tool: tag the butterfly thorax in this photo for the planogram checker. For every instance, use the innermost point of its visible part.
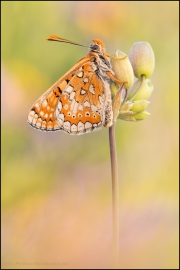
(97, 54)
(100, 64)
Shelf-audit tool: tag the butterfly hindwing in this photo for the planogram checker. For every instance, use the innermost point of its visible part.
(80, 108)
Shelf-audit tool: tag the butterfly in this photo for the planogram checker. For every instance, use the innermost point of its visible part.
(80, 101)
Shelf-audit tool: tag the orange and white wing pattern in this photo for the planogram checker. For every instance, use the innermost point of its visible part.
(78, 104)
(82, 106)
(42, 114)
(80, 101)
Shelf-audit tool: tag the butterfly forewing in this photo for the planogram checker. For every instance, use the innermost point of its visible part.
(80, 101)
(76, 105)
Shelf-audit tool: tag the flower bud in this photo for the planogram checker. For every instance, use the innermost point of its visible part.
(139, 105)
(134, 117)
(123, 69)
(127, 106)
(126, 115)
(141, 115)
(132, 109)
(142, 59)
(141, 90)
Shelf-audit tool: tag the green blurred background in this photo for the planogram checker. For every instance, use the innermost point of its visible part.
(56, 188)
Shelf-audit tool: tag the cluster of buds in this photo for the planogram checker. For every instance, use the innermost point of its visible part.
(131, 99)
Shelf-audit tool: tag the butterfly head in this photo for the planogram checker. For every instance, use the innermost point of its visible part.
(97, 46)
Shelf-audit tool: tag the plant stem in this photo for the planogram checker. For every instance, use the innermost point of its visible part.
(115, 197)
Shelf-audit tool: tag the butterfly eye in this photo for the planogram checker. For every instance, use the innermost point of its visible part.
(95, 47)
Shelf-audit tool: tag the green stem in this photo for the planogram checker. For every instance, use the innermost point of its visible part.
(115, 197)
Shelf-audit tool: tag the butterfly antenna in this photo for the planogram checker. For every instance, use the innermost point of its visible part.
(59, 39)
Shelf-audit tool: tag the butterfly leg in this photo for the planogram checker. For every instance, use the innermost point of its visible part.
(114, 57)
(113, 78)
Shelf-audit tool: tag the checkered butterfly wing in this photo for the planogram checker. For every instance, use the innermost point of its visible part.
(74, 104)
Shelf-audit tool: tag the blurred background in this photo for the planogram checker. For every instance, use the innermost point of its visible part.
(56, 188)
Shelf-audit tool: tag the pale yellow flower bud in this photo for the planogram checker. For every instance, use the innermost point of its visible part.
(139, 105)
(142, 59)
(131, 116)
(123, 69)
(141, 115)
(141, 90)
